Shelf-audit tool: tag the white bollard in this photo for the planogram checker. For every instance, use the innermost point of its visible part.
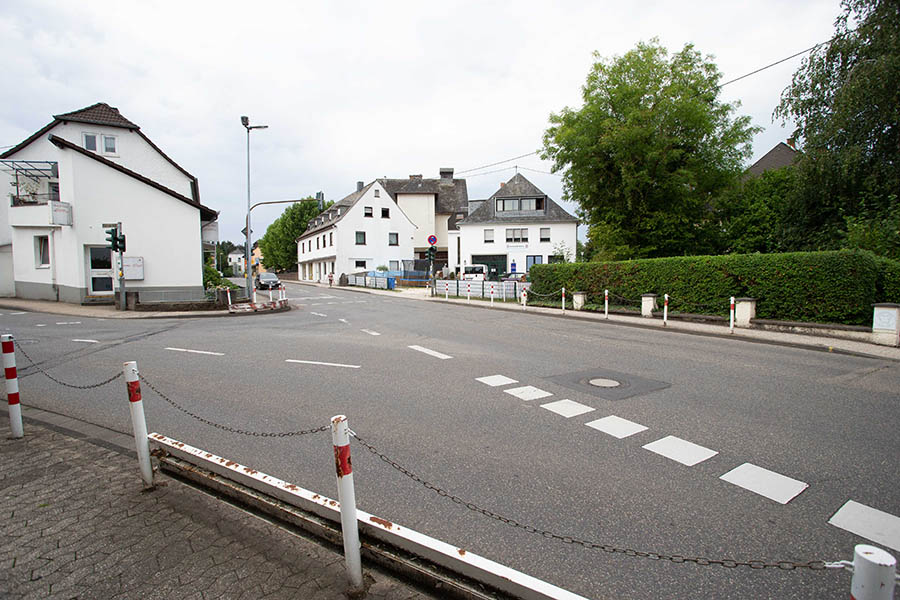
(731, 317)
(605, 304)
(469, 292)
(665, 309)
(254, 295)
(340, 436)
(446, 290)
(492, 295)
(228, 293)
(138, 421)
(564, 300)
(524, 298)
(270, 295)
(874, 574)
(12, 386)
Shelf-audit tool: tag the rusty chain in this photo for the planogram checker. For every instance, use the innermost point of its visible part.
(63, 383)
(785, 565)
(226, 427)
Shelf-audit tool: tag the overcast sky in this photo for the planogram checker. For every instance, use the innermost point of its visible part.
(357, 90)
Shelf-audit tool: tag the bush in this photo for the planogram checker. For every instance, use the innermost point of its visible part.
(825, 287)
(211, 279)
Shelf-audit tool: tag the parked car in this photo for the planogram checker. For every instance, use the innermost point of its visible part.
(512, 277)
(267, 281)
(475, 273)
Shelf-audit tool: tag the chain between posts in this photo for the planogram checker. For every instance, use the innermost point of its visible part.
(63, 383)
(784, 565)
(226, 427)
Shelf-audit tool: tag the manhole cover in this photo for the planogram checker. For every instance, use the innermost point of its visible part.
(604, 383)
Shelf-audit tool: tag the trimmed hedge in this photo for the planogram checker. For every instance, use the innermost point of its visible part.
(823, 287)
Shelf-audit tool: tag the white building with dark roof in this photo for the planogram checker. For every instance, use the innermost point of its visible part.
(81, 174)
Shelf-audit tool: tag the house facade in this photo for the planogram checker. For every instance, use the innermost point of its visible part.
(517, 227)
(361, 232)
(236, 261)
(82, 174)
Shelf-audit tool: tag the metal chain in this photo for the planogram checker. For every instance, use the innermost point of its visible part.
(530, 293)
(785, 565)
(232, 429)
(63, 383)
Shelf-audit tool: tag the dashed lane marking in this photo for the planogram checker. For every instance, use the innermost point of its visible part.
(18, 313)
(196, 351)
(617, 426)
(324, 364)
(528, 392)
(679, 450)
(41, 325)
(370, 332)
(567, 408)
(496, 380)
(69, 323)
(343, 320)
(870, 523)
(86, 341)
(430, 352)
(318, 314)
(764, 482)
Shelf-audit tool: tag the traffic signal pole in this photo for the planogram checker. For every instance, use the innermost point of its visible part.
(121, 247)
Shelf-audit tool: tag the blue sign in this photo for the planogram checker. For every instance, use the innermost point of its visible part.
(512, 267)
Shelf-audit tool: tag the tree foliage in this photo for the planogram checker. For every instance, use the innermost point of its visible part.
(752, 213)
(648, 151)
(845, 101)
(279, 244)
(223, 249)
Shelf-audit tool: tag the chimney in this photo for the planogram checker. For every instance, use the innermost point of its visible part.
(446, 173)
(360, 185)
(792, 142)
(503, 184)
(415, 177)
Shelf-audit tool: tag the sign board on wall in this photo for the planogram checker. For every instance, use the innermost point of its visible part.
(134, 268)
(60, 213)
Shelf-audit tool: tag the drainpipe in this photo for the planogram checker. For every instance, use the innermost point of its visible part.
(52, 244)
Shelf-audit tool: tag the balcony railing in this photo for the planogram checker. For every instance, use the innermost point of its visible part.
(33, 199)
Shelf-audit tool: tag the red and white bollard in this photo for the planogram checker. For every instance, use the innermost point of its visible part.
(665, 310)
(469, 292)
(564, 299)
(874, 574)
(492, 294)
(606, 304)
(340, 436)
(524, 298)
(12, 385)
(446, 290)
(731, 317)
(228, 293)
(270, 295)
(138, 421)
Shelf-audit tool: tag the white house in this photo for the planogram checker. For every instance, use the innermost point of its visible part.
(236, 261)
(81, 174)
(361, 232)
(517, 227)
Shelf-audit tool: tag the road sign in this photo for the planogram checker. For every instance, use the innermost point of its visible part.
(432, 239)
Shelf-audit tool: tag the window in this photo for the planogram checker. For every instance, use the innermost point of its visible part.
(393, 239)
(545, 234)
(533, 260)
(54, 190)
(556, 259)
(317, 242)
(488, 236)
(302, 247)
(323, 240)
(109, 144)
(360, 264)
(378, 193)
(517, 235)
(394, 265)
(528, 204)
(367, 211)
(385, 213)
(41, 251)
(90, 142)
(360, 238)
(331, 238)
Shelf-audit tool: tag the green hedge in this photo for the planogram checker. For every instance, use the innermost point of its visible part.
(823, 287)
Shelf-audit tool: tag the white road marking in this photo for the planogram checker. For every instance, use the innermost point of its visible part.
(528, 392)
(196, 351)
(41, 325)
(325, 364)
(87, 341)
(331, 303)
(870, 523)
(360, 302)
(370, 332)
(567, 408)
(17, 313)
(69, 323)
(430, 352)
(617, 426)
(495, 380)
(318, 314)
(679, 450)
(764, 482)
(343, 320)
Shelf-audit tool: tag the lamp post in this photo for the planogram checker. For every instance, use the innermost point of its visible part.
(245, 121)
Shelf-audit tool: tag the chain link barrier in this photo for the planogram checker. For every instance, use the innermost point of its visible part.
(784, 565)
(264, 434)
(89, 386)
(550, 295)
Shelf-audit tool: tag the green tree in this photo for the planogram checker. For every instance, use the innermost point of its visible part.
(223, 249)
(752, 213)
(279, 244)
(648, 151)
(845, 101)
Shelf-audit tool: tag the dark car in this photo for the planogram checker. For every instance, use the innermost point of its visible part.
(268, 281)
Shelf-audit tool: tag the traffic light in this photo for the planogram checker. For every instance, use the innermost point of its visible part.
(112, 238)
(120, 242)
(432, 252)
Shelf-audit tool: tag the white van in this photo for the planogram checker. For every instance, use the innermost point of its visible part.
(475, 273)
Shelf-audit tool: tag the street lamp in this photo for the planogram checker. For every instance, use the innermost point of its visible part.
(245, 121)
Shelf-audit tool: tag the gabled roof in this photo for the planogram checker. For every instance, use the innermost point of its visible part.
(518, 187)
(344, 204)
(452, 194)
(206, 213)
(780, 156)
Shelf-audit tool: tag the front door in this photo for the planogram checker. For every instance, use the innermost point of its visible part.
(100, 274)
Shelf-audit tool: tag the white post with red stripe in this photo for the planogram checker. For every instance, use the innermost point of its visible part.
(254, 295)
(564, 300)
(524, 298)
(731, 317)
(270, 295)
(469, 292)
(874, 574)
(228, 293)
(340, 436)
(446, 290)
(665, 309)
(138, 422)
(605, 304)
(492, 294)
(12, 385)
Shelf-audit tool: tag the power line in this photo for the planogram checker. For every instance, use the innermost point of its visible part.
(494, 171)
(777, 62)
(497, 163)
(539, 171)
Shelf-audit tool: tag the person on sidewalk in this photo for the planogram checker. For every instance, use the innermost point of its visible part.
(330, 279)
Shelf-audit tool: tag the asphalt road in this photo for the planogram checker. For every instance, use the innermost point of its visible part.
(827, 420)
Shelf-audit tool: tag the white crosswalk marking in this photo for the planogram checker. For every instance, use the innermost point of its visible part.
(370, 332)
(764, 482)
(679, 450)
(567, 408)
(870, 523)
(429, 352)
(495, 380)
(617, 426)
(528, 392)
(196, 351)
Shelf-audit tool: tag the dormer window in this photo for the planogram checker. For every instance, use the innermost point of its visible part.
(519, 204)
(109, 144)
(90, 141)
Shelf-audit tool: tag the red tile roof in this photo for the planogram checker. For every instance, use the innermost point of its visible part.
(98, 114)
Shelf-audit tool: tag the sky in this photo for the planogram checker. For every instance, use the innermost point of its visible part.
(352, 91)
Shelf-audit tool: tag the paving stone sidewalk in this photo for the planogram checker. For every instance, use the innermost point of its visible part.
(76, 524)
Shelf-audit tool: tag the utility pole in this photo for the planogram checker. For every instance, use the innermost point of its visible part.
(120, 239)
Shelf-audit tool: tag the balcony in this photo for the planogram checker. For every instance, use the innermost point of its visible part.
(40, 213)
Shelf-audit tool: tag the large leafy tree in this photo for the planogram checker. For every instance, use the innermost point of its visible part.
(648, 152)
(279, 244)
(845, 101)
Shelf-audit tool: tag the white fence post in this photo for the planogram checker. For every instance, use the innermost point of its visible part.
(731, 317)
(340, 436)
(524, 298)
(446, 290)
(665, 309)
(138, 421)
(492, 294)
(12, 386)
(605, 304)
(564, 299)
(468, 292)
(874, 574)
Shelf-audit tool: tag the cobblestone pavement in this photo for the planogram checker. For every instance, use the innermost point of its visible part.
(76, 524)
